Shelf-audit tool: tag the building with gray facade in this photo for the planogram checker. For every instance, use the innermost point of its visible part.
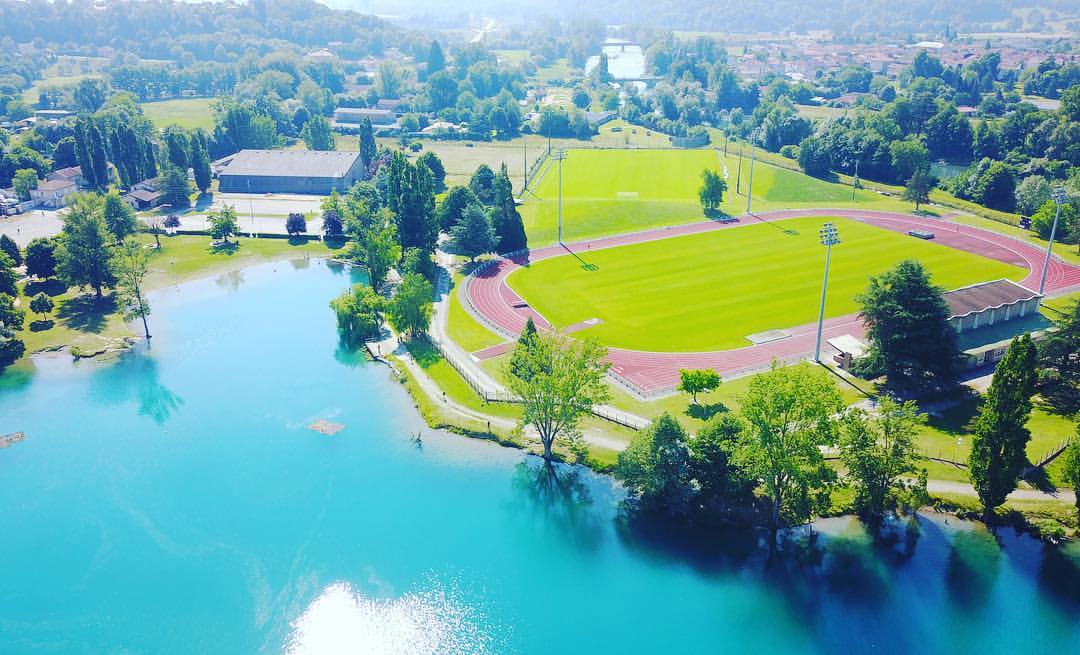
(289, 171)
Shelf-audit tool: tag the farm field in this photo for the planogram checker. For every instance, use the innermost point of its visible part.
(710, 291)
(612, 191)
(188, 113)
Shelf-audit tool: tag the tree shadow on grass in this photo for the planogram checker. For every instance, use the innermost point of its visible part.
(1036, 476)
(86, 313)
(223, 248)
(42, 325)
(705, 411)
(50, 287)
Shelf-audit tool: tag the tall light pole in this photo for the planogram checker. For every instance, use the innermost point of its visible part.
(855, 181)
(754, 136)
(1060, 197)
(829, 238)
(560, 156)
(738, 178)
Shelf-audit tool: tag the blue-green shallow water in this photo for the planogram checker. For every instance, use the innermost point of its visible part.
(174, 501)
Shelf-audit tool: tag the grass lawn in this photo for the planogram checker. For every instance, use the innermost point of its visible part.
(188, 113)
(612, 191)
(454, 385)
(89, 325)
(463, 328)
(33, 94)
(560, 71)
(709, 291)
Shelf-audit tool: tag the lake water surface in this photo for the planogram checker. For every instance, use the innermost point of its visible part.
(174, 501)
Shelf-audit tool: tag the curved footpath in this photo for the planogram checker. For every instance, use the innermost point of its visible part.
(491, 300)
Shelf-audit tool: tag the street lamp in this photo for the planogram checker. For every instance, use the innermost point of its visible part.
(738, 177)
(725, 122)
(1060, 197)
(829, 238)
(754, 137)
(560, 156)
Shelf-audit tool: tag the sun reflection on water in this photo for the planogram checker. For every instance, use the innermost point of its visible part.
(341, 620)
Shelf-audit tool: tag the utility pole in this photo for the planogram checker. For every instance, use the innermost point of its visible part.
(525, 160)
(1060, 197)
(829, 238)
(560, 157)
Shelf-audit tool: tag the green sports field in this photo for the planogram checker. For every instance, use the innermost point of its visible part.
(612, 191)
(189, 113)
(709, 291)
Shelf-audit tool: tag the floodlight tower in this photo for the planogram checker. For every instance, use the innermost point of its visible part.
(829, 238)
(754, 137)
(1060, 198)
(560, 157)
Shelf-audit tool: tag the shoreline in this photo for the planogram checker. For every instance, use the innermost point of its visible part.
(443, 414)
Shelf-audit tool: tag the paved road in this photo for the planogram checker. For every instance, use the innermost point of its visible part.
(31, 225)
(965, 489)
(655, 372)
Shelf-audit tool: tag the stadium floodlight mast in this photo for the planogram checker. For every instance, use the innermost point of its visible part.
(1060, 198)
(738, 177)
(560, 157)
(755, 136)
(829, 238)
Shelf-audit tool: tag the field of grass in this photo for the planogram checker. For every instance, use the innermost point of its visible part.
(188, 113)
(819, 112)
(709, 291)
(560, 71)
(463, 328)
(612, 191)
(82, 322)
(32, 94)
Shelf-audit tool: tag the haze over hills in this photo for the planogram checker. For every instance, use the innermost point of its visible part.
(842, 16)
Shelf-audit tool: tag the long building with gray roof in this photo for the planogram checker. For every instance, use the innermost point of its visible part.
(289, 171)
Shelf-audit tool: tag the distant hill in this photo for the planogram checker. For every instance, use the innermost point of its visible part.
(749, 16)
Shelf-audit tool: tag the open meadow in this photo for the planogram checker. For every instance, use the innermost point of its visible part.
(709, 291)
(190, 113)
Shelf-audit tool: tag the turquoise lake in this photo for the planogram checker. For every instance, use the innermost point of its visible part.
(173, 500)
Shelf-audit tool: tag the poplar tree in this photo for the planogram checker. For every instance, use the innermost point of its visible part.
(999, 447)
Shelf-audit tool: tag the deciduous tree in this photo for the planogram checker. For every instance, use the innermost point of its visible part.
(8, 245)
(223, 223)
(698, 381)
(359, 314)
(119, 216)
(877, 448)
(317, 135)
(410, 309)
(917, 189)
(656, 466)
(84, 256)
(295, 224)
(712, 190)
(41, 304)
(559, 381)
(25, 181)
(132, 265)
(790, 416)
(41, 258)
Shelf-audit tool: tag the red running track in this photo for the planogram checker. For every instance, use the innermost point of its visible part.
(652, 372)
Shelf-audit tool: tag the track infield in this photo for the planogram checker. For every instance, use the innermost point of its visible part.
(710, 291)
(651, 372)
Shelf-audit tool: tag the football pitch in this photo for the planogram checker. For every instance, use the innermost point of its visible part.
(709, 291)
(613, 191)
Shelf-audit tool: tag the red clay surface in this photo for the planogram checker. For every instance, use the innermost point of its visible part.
(652, 372)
